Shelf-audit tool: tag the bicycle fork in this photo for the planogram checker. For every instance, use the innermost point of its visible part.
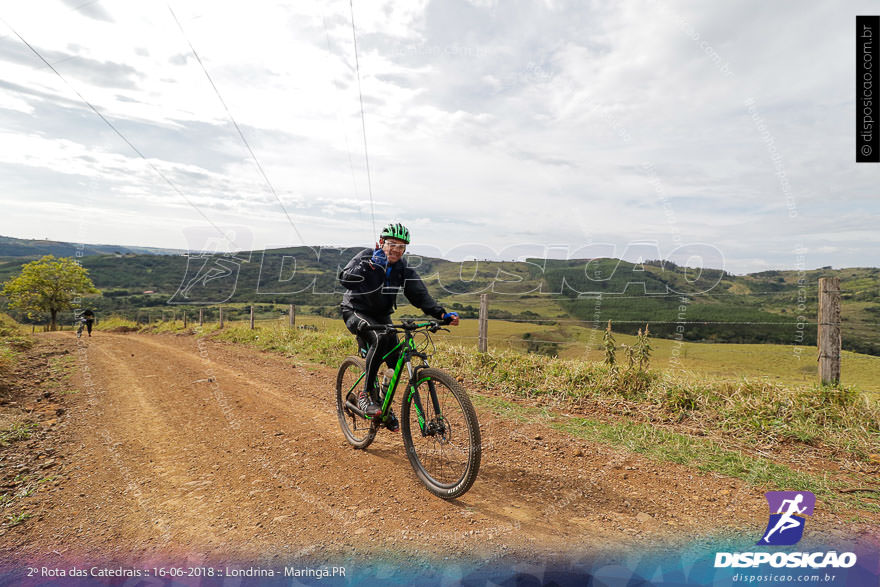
(435, 426)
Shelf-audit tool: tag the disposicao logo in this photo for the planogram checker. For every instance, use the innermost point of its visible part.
(788, 515)
(788, 511)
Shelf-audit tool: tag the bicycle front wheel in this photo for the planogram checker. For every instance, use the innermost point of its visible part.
(441, 434)
(358, 431)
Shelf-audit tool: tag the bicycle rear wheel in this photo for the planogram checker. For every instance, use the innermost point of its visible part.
(446, 457)
(358, 431)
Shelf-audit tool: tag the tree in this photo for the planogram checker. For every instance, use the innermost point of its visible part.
(48, 285)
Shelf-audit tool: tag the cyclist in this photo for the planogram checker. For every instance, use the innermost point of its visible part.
(372, 279)
(86, 317)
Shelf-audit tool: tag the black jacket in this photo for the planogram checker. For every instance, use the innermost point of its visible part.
(368, 291)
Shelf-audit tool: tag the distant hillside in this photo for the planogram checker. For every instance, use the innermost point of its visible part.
(709, 305)
(22, 247)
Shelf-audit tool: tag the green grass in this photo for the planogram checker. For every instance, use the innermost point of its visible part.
(840, 419)
(663, 445)
(7, 357)
(61, 365)
(9, 328)
(13, 520)
(782, 364)
(13, 340)
(18, 431)
(326, 347)
(27, 485)
(116, 323)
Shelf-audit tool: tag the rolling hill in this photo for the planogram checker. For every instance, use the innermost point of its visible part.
(709, 305)
(21, 247)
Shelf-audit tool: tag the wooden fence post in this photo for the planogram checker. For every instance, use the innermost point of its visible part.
(201, 315)
(252, 317)
(184, 318)
(483, 344)
(829, 330)
(221, 316)
(292, 315)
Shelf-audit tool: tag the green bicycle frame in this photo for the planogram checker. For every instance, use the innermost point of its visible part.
(405, 357)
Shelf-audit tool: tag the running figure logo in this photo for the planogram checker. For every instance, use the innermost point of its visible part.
(788, 511)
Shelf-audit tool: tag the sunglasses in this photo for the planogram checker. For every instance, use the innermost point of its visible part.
(396, 246)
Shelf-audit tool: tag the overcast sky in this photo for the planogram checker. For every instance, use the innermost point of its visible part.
(493, 128)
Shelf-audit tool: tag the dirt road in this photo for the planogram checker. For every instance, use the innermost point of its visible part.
(174, 445)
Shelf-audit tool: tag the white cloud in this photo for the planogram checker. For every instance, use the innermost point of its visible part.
(490, 122)
(13, 103)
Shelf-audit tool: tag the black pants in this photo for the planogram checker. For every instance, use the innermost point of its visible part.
(89, 326)
(377, 343)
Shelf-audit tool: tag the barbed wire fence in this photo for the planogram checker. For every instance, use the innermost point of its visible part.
(553, 335)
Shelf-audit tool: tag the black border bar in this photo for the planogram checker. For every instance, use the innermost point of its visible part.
(867, 84)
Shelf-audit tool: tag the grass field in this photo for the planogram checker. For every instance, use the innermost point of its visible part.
(784, 364)
(664, 445)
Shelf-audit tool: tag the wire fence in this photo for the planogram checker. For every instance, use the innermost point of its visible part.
(564, 334)
(267, 313)
(568, 337)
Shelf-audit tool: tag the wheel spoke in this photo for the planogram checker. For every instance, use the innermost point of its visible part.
(357, 431)
(440, 457)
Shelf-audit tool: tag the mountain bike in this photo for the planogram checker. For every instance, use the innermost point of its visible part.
(437, 419)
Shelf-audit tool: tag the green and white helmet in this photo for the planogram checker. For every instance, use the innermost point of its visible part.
(396, 230)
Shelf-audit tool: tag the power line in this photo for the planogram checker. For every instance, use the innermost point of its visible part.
(342, 125)
(363, 117)
(121, 136)
(234, 123)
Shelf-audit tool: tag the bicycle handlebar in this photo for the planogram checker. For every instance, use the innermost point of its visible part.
(431, 325)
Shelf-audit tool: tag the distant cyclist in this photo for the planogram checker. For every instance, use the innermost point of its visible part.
(373, 278)
(86, 318)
